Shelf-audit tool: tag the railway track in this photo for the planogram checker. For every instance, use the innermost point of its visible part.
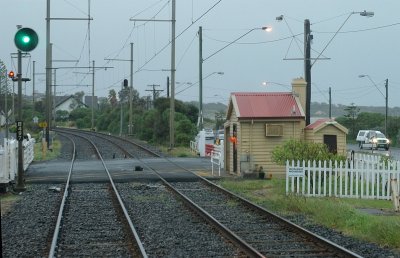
(92, 219)
(254, 231)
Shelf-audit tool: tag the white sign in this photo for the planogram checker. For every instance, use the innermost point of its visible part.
(296, 172)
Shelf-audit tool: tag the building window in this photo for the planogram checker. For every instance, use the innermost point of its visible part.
(273, 130)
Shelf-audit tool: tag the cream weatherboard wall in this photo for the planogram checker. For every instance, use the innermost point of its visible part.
(255, 148)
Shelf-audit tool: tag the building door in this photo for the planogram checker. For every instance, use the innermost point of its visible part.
(227, 149)
(331, 142)
(234, 145)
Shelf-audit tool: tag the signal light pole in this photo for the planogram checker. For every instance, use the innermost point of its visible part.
(26, 40)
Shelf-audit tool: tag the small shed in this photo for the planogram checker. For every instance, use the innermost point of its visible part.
(330, 132)
(257, 122)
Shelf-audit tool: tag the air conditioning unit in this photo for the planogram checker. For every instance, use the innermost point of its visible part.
(273, 130)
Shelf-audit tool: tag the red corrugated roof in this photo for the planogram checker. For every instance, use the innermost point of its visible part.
(266, 104)
(318, 123)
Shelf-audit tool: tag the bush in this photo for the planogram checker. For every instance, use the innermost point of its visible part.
(302, 150)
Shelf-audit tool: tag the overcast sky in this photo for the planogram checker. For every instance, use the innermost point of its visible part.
(363, 46)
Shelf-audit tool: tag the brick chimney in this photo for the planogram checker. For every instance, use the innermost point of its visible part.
(299, 87)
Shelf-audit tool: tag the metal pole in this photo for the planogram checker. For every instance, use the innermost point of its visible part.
(13, 101)
(48, 72)
(130, 94)
(307, 67)
(330, 103)
(386, 99)
(167, 87)
(20, 182)
(172, 100)
(54, 98)
(5, 102)
(93, 97)
(33, 85)
(200, 78)
(120, 103)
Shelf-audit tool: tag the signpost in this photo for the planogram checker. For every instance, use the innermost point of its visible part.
(20, 131)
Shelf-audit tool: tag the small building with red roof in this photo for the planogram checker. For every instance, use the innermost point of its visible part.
(328, 131)
(257, 122)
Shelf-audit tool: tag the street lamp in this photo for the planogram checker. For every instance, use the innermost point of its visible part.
(385, 96)
(265, 83)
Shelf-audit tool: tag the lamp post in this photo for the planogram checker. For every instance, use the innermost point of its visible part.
(385, 96)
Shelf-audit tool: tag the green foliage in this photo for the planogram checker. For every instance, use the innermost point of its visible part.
(62, 115)
(80, 113)
(302, 150)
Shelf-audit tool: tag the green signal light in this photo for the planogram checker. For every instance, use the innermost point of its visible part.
(26, 39)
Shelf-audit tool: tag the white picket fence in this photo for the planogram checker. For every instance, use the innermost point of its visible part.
(9, 158)
(366, 177)
(217, 158)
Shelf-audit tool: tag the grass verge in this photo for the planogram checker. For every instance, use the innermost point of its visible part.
(6, 202)
(340, 214)
(44, 154)
(182, 152)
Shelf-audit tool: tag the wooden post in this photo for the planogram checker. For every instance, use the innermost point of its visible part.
(395, 194)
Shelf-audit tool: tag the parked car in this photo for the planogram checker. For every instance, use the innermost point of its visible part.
(375, 140)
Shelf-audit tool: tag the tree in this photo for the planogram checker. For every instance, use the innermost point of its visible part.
(79, 95)
(352, 112)
(112, 98)
(62, 115)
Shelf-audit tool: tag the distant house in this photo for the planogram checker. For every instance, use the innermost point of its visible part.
(257, 122)
(68, 103)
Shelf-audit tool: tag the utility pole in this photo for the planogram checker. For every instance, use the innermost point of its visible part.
(48, 71)
(330, 103)
(120, 120)
(200, 78)
(54, 97)
(130, 95)
(92, 96)
(33, 84)
(167, 87)
(154, 91)
(386, 100)
(307, 67)
(172, 103)
(172, 99)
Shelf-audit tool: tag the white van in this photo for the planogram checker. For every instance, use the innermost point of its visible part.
(361, 137)
(374, 140)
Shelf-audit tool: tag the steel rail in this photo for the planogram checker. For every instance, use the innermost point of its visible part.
(122, 206)
(61, 210)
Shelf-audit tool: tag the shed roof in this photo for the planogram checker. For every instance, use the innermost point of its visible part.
(323, 122)
(266, 105)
